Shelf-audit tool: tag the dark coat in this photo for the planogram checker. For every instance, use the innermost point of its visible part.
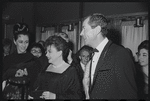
(114, 76)
(17, 61)
(80, 73)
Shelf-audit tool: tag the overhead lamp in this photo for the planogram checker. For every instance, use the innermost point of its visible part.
(43, 30)
(138, 22)
(70, 27)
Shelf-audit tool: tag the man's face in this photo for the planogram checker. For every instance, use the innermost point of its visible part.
(84, 57)
(88, 33)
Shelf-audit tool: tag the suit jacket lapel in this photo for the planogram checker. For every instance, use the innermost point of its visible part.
(100, 61)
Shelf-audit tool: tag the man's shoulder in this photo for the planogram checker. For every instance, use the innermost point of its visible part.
(118, 49)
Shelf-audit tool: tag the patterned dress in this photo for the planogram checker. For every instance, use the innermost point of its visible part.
(15, 85)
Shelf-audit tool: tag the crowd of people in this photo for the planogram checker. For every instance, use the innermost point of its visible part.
(100, 69)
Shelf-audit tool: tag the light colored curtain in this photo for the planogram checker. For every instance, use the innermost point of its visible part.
(81, 41)
(72, 36)
(133, 36)
(49, 31)
(38, 34)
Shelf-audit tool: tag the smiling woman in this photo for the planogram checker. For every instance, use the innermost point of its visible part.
(22, 42)
(20, 66)
(59, 80)
(142, 76)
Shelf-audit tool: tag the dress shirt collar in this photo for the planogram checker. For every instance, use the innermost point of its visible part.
(102, 44)
(83, 66)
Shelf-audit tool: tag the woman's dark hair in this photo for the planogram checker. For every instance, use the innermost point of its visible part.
(20, 33)
(20, 28)
(66, 37)
(144, 45)
(37, 45)
(60, 44)
(42, 43)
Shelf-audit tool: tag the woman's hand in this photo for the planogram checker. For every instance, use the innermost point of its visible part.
(25, 72)
(48, 95)
(30, 97)
(3, 85)
(19, 73)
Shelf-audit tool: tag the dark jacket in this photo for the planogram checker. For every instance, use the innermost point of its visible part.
(114, 76)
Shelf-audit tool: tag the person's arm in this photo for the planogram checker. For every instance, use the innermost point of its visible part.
(125, 75)
(9, 73)
(33, 69)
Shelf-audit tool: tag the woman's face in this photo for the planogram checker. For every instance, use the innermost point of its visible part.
(22, 43)
(52, 54)
(143, 57)
(36, 51)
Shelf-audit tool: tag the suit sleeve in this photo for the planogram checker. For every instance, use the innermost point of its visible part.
(125, 71)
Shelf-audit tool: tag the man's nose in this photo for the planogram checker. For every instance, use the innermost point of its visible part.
(81, 34)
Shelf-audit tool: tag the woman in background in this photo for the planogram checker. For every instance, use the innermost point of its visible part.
(80, 61)
(59, 80)
(38, 51)
(7, 43)
(142, 76)
(70, 45)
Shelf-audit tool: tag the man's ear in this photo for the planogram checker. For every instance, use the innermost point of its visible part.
(98, 29)
(60, 53)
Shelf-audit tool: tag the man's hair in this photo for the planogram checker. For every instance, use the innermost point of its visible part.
(86, 48)
(98, 19)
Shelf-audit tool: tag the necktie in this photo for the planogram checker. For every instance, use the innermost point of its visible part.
(93, 52)
(87, 76)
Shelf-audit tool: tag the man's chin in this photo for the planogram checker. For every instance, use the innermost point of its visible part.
(86, 42)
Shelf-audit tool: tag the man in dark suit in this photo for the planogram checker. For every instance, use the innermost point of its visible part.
(112, 70)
